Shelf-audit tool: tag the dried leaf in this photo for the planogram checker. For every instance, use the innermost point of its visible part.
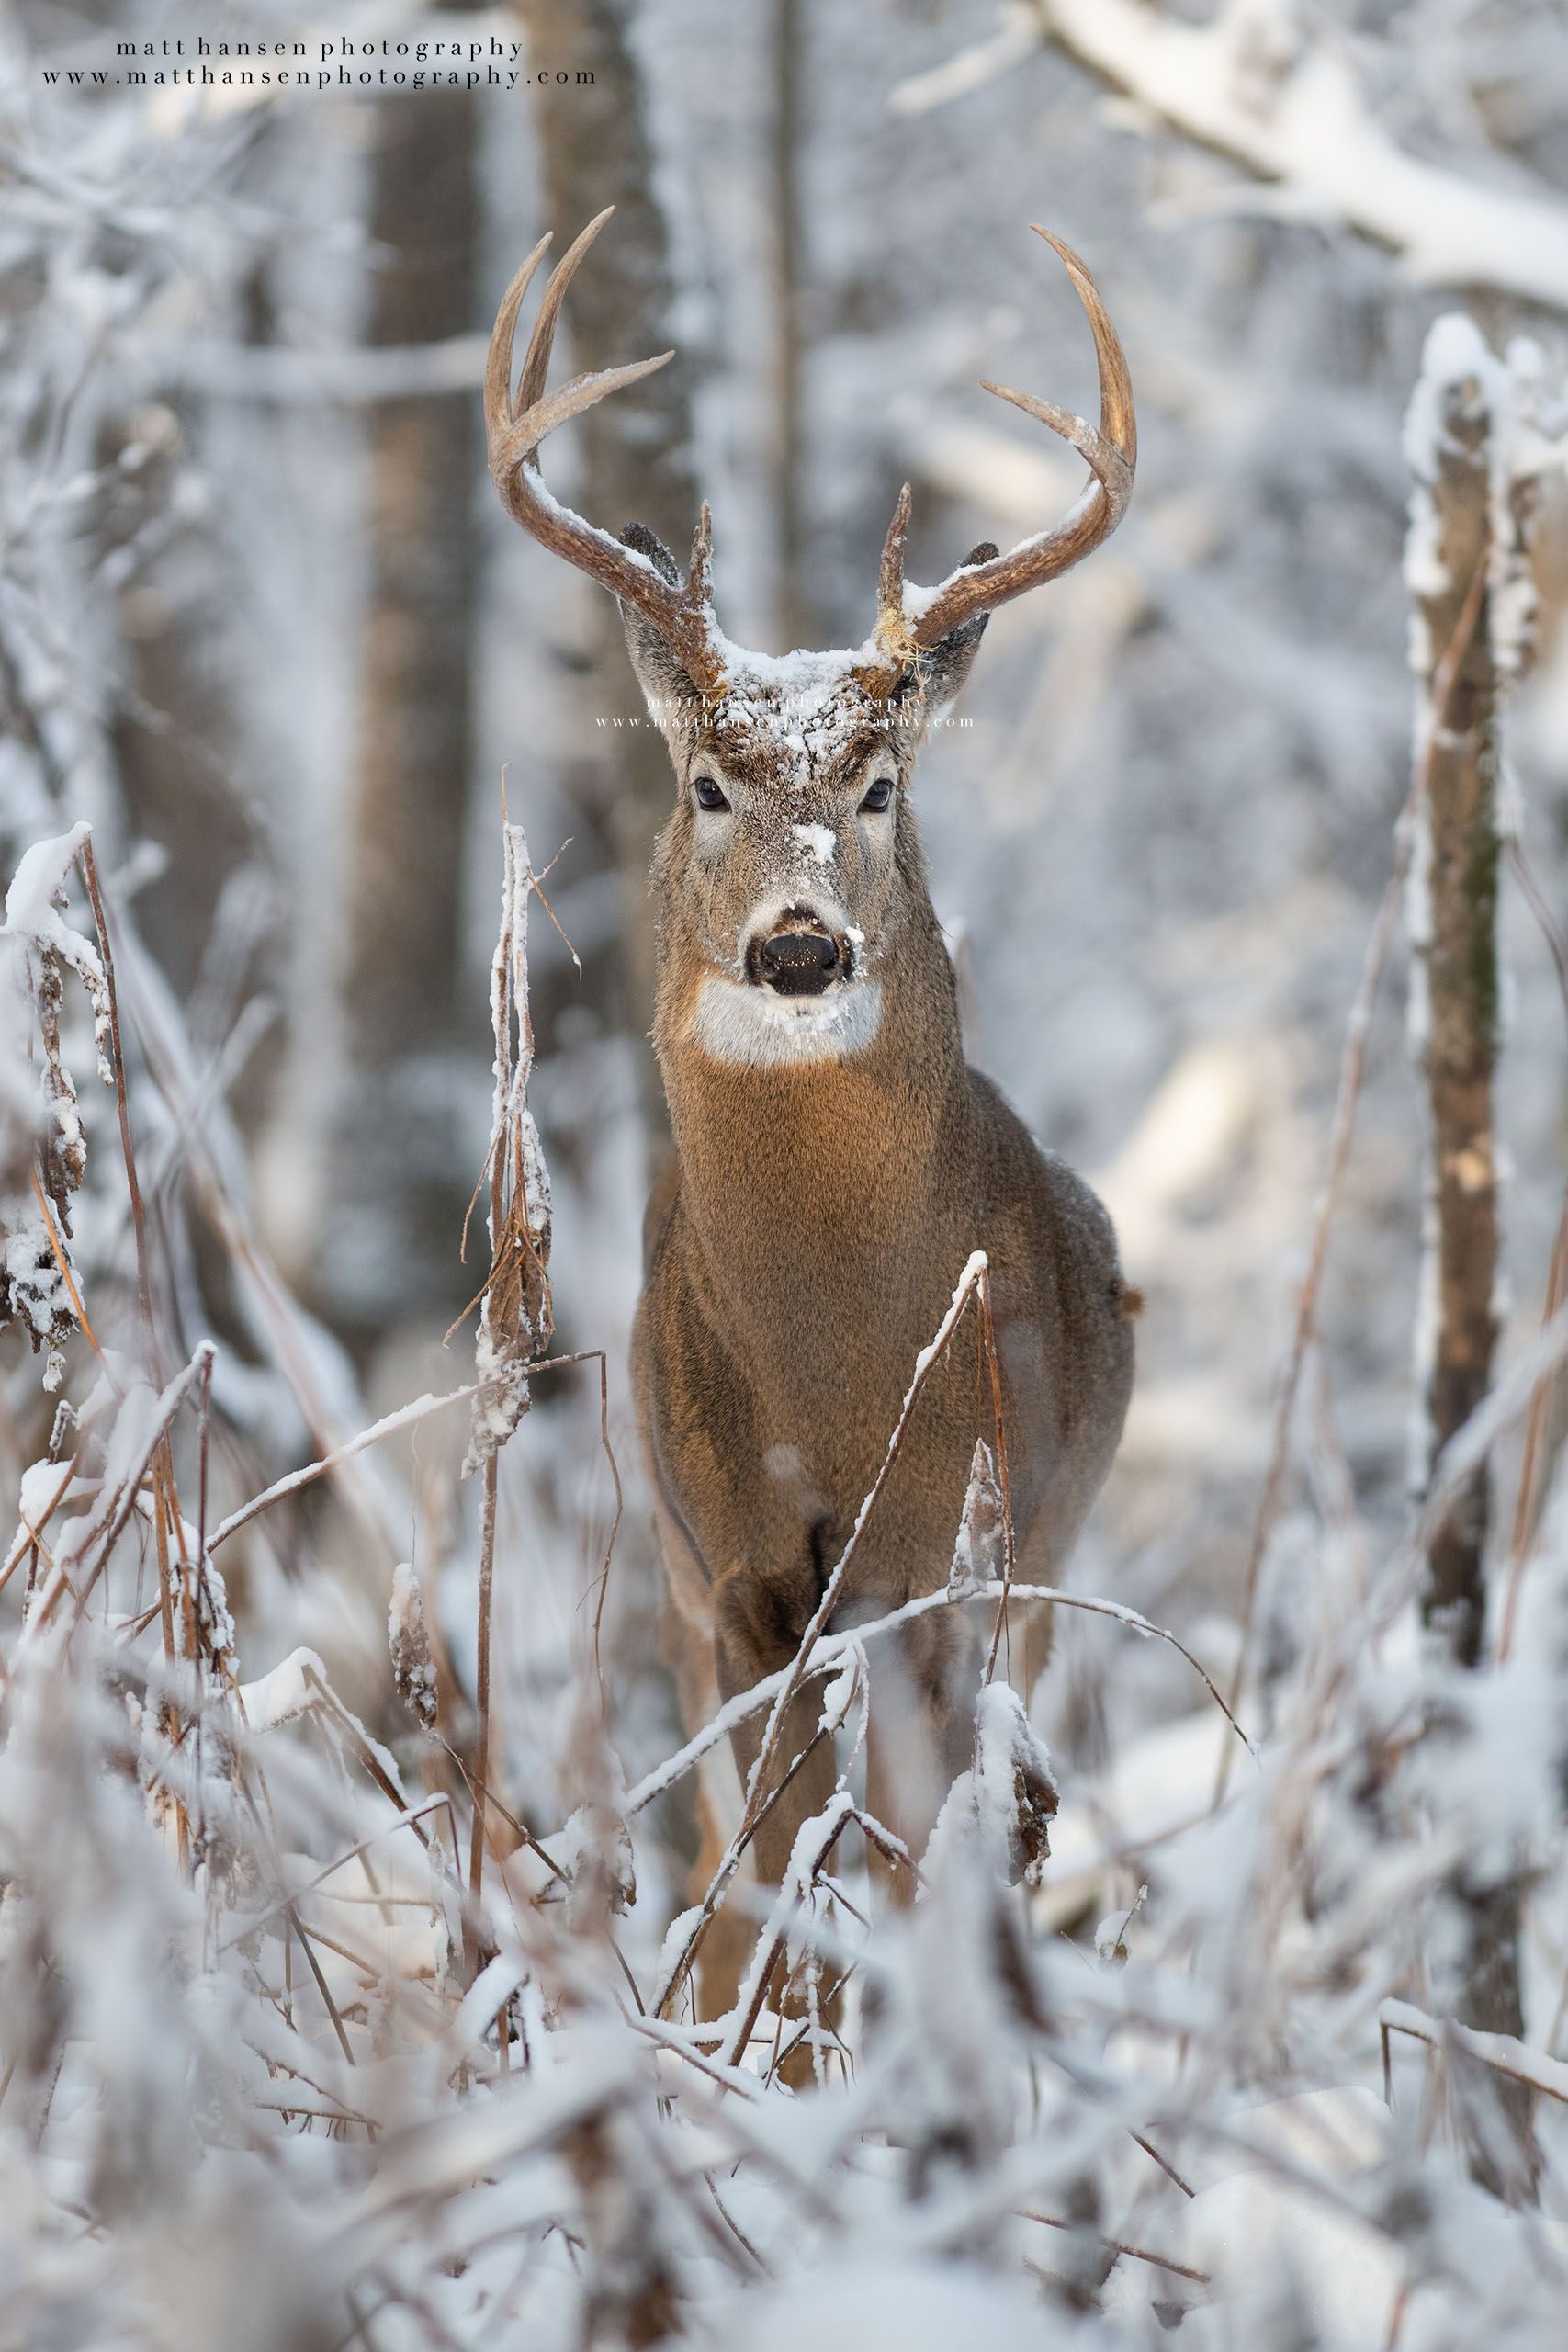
(414, 1668)
(977, 1554)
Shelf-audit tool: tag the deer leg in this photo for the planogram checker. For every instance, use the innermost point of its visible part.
(1032, 1646)
(1029, 1626)
(689, 1653)
(799, 1780)
(1029, 1631)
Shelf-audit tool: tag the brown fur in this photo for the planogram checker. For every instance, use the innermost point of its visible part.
(837, 1162)
(806, 1244)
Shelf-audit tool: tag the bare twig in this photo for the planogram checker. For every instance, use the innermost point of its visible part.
(830, 1650)
(122, 1103)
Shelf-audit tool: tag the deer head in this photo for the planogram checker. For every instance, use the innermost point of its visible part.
(792, 858)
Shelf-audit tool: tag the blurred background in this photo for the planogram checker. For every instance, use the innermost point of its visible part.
(263, 622)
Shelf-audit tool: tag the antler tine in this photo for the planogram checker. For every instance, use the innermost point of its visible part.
(569, 400)
(1111, 466)
(536, 360)
(499, 411)
(1118, 421)
(1109, 450)
(699, 575)
(890, 572)
(515, 424)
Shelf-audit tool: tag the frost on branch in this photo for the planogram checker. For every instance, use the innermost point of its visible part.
(1264, 87)
(43, 1154)
(515, 1318)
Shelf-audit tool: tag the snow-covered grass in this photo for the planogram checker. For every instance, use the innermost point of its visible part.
(290, 2057)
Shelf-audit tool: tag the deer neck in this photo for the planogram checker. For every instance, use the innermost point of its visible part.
(788, 1166)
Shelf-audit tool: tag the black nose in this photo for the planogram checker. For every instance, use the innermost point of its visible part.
(798, 963)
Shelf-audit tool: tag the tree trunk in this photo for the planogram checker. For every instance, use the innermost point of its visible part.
(399, 1182)
(636, 449)
(1455, 936)
(1456, 577)
(794, 618)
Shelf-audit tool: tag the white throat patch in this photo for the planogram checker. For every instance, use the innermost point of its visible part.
(735, 1022)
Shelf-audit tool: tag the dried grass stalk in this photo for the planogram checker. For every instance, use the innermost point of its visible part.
(43, 1151)
(515, 1315)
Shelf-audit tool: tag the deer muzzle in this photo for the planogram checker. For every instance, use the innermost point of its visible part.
(799, 961)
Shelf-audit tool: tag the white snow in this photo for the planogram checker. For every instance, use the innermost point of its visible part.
(820, 842)
(886, 2305)
(282, 1695)
(1255, 2236)
(30, 910)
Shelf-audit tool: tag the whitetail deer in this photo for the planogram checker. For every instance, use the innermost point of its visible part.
(836, 1160)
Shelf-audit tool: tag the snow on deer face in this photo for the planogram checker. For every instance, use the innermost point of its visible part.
(791, 856)
(783, 855)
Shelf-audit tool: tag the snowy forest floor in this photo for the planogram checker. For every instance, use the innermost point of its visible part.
(342, 1996)
(294, 2056)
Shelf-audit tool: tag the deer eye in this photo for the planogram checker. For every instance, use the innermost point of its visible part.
(707, 793)
(877, 797)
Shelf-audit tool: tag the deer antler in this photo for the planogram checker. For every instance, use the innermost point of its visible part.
(517, 425)
(908, 624)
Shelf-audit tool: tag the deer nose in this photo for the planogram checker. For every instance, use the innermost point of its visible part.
(798, 963)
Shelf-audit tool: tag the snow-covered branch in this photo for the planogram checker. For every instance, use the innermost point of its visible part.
(1287, 107)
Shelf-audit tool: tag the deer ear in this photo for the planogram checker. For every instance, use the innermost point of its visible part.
(664, 682)
(948, 664)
